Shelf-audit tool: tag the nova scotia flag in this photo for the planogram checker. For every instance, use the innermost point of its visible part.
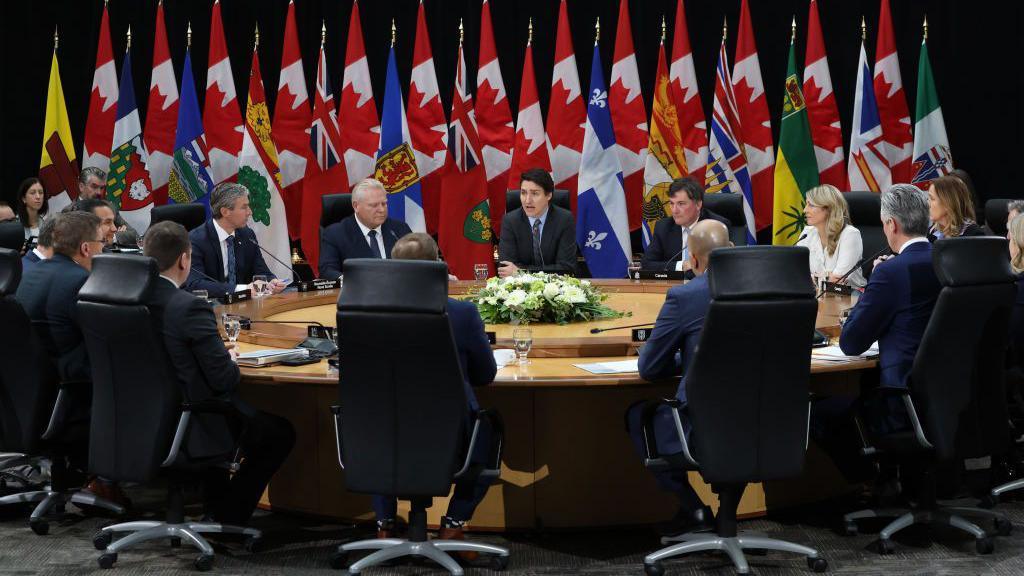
(602, 229)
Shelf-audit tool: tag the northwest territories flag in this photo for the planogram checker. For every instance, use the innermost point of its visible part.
(128, 185)
(190, 170)
(396, 165)
(602, 230)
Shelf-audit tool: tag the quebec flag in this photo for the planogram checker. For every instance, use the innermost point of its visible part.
(602, 228)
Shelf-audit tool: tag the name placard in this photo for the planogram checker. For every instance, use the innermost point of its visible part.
(660, 275)
(239, 296)
(641, 334)
(318, 284)
(833, 288)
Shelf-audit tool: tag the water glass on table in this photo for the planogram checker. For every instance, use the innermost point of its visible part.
(634, 270)
(522, 339)
(232, 326)
(480, 271)
(260, 286)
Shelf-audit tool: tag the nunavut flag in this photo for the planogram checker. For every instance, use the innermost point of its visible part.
(57, 168)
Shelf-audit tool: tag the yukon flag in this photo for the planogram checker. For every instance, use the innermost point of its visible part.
(292, 118)
(359, 126)
(602, 228)
(755, 128)
(494, 120)
(258, 172)
(932, 158)
(161, 113)
(427, 125)
(892, 100)
(99, 127)
(689, 109)
(566, 113)
(629, 118)
(821, 106)
(666, 159)
(191, 179)
(796, 170)
(530, 149)
(867, 168)
(221, 116)
(128, 185)
(58, 169)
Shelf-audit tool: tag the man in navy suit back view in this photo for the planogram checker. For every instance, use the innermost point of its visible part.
(368, 233)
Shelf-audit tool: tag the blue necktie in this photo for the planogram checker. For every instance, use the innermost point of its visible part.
(374, 247)
(538, 260)
(231, 261)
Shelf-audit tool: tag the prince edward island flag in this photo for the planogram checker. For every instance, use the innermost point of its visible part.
(796, 169)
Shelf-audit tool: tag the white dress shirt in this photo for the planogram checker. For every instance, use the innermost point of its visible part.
(222, 239)
(911, 241)
(543, 218)
(366, 236)
(849, 250)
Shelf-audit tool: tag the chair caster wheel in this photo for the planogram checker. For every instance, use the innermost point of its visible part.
(656, 569)
(339, 560)
(107, 560)
(850, 529)
(204, 562)
(818, 564)
(985, 545)
(101, 540)
(1003, 526)
(886, 547)
(39, 527)
(253, 544)
(499, 563)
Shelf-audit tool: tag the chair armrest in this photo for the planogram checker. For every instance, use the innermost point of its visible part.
(336, 411)
(653, 459)
(220, 406)
(497, 445)
(179, 437)
(908, 404)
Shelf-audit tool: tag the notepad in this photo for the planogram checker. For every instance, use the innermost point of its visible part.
(258, 358)
(620, 367)
(835, 354)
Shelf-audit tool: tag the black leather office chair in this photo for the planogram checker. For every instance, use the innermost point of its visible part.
(35, 408)
(191, 216)
(140, 424)
(749, 419)
(996, 211)
(730, 207)
(559, 198)
(400, 424)
(865, 215)
(955, 399)
(12, 235)
(335, 208)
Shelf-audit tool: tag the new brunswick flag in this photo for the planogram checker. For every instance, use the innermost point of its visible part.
(796, 169)
(57, 168)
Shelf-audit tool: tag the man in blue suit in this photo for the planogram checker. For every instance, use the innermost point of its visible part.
(668, 247)
(368, 233)
(668, 353)
(225, 252)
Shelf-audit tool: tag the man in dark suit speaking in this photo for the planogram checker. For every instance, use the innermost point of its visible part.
(206, 368)
(539, 237)
(368, 233)
(669, 247)
(225, 252)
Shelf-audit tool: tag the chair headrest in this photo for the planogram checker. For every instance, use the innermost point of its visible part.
(865, 208)
(335, 208)
(969, 261)
(12, 235)
(752, 272)
(10, 271)
(996, 211)
(729, 206)
(191, 216)
(124, 279)
(372, 284)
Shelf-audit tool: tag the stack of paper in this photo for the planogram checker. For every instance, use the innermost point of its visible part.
(258, 358)
(835, 354)
(621, 367)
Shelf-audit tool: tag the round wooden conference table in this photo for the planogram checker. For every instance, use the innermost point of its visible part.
(568, 461)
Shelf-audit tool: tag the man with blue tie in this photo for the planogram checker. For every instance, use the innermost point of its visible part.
(225, 252)
(368, 233)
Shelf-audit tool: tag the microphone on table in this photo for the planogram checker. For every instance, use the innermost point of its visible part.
(599, 330)
(670, 260)
(295, 274)
(856, 267)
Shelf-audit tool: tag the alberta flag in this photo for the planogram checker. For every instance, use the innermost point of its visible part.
(190, 170)
(932, 158)
(396, 165)
(602, 229)
(128, 186)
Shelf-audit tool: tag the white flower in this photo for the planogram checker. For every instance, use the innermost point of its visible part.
(574, 295)
(525, 278)
(493, 301)
(551, 290)
(515, 298)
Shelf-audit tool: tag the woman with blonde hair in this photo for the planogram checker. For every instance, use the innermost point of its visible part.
(951, 209)
(835, 245)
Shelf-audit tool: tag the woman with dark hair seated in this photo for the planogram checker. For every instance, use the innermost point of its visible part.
(31, 206)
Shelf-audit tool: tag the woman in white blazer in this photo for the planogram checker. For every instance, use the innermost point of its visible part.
(834, 243)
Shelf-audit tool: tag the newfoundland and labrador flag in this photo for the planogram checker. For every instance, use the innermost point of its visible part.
(190, 180)
(396, 164)
(602, 229)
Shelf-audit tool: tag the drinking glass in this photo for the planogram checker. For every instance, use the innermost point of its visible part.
(522, 338)
(259, 285)
(480, 271)
(232, 327)
(634, 270)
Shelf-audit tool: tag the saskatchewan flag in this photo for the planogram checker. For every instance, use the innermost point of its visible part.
(932, 158)
(796, 169)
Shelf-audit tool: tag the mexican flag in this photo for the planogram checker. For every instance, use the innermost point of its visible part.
(258, 172)
(931, 158)
(796, 168)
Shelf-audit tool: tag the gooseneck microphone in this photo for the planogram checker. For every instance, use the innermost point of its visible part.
(295, 274)
(672, 259)
(599, 330)
(856, 267)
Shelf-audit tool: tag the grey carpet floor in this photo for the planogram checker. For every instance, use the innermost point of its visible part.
(296, 545)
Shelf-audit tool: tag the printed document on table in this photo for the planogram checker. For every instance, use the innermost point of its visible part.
(620, 367)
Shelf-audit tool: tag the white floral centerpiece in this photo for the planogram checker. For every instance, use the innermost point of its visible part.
(541, 297)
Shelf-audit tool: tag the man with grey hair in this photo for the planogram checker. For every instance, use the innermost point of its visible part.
(367, 233)
(1014, 208)
(92, 184)
(225, 253)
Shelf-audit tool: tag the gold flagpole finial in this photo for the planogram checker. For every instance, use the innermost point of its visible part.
(529, 34)
(129, 36)
(462, 33)
(863, 29)
(792, 37)
(394, 32)
(56, 38)
(597, 30)
(256, 43)
(925, 26)
(725, 28)
(662, 28)
(323, 33)
(188, 35)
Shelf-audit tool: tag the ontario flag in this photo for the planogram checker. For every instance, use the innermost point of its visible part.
(755, 128)
(932, 158)
(566, 112)
(892, 101)
(628, 117)
(128, 185)
(99, 127)
(161, 113)
(258, 172)
(867, 167)
(428, 128)
(684, 93)
(191, 179)
(292, 119)
(360, 127)
(464, 232)
(530, 150)
(821, 106)
(494, 120)
(57, 166)
(329, 174)
(220, 113)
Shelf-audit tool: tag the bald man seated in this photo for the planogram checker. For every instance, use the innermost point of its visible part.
(669, 352)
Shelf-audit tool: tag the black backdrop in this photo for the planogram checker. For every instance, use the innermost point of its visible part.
(975, 47)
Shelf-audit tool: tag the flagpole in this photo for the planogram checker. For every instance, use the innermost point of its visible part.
(925, 27)
(188, 36)
(863, 30)
(725, 28)
(792, 37)
(323, 33)
(128, 46)
(394, 32)
(461, 32)
(256, 43)
(597, 31)
(529, 33)
(662, 29)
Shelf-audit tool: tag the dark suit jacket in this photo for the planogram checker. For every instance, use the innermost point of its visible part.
(343, 240)
(206, 257)
(970, 229)
(557, 241)
(478, 367)
(894, 311)
(49, 294)
(28, 260)
(667, 243)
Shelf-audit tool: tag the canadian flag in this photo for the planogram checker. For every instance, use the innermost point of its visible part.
(683, 80)
(359, 123)
(821, 107)
(566, 113)
(161, 113)
(530, 149)
(428, 128)
(892, 101)
(494, 120)
(99, 128)
(292, 118)
(755, 124)
(221, 116)
(629, 118)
